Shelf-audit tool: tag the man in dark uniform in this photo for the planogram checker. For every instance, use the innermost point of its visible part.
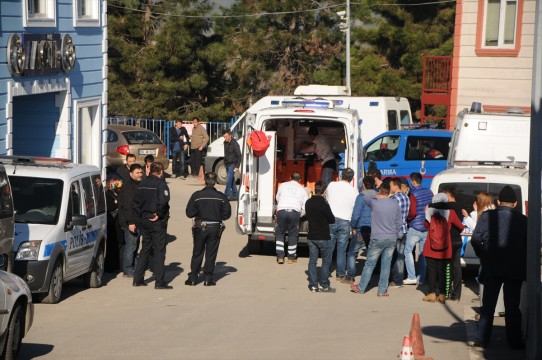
(152, 204)
(209, 207)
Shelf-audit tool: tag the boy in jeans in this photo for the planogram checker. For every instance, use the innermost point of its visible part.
(319, 216)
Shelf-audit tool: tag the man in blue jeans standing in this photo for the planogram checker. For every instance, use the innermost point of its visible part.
(386, 222)
(341, 196)
(398, 267)
(129, 219)
(232, 159)
(420, 197)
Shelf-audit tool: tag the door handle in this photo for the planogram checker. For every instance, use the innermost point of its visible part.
(394, 165)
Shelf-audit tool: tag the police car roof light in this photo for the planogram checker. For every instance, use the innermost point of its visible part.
(308, 103)
(507, 164)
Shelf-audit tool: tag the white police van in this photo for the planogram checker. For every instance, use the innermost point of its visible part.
(60, 223)
(286, 123)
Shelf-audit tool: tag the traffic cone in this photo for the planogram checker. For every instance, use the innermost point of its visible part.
(406, 352)
(416, 336)
(200, 175)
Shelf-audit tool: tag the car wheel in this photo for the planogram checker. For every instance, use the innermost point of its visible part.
(55, 286)
(94, 277)
(221, 173)
(15, 334)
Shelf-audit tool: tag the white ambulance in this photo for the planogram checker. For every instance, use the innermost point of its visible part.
(377, 115)
(60, 223)
(286, 123)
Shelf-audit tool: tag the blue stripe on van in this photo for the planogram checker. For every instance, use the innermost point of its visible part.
(92, 236)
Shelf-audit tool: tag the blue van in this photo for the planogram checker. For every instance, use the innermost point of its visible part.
(402, 152)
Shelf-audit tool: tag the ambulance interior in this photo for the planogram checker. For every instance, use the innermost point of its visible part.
(292, 136)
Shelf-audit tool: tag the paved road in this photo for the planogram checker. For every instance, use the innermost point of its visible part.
(258, 310)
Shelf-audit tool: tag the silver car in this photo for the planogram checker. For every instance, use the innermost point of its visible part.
(16, 313)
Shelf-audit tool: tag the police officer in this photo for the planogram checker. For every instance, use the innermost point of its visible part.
(209, 207)
(152, 204)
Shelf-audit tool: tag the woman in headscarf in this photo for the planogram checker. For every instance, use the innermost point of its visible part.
(438, 256)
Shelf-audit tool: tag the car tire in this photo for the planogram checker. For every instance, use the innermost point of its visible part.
(55, 285)
(221, 172)
(94, 278)
(15, 333)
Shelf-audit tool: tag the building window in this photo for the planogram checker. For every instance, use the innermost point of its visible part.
(86, 13)
(40, 13)
(499, 27)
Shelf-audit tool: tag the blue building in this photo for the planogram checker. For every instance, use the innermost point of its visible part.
(53, 79)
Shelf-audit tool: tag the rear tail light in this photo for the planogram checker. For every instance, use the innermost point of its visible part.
(165, 149)
(526, 208)
(123, 150)
(240, 220)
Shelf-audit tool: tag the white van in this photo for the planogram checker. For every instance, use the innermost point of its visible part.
(469, 181)
(60, 223)
(377, 115)
(7, 224)
(483, 138)
(287, 124)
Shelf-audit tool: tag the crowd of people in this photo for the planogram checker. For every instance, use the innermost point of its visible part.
(392, 220)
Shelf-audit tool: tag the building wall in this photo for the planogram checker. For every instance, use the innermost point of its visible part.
(55, 108)
(498, 82)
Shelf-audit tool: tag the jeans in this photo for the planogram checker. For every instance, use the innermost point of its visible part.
(398, 267)
(230, 182)
(178, 163)
(376, 248)
(340, 234)
(512, 314)
(130, 248)
(321, 247)
(287, 221)
(415, 237)
(351, 256)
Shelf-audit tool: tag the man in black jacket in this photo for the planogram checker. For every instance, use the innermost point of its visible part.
(500, 240)
(209, 207)
(152, 205)
(232, 159)
(129, 219)
(178, 143)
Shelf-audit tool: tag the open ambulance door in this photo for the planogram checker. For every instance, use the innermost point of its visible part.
(247, 202)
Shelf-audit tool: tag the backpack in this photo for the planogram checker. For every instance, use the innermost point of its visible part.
(438, 233)
(259, 143)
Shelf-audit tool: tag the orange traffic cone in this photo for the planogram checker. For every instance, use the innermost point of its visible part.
(406, 352)
(416, 336)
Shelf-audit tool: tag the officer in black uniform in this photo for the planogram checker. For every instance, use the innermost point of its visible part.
(209, 207)
(152, 204)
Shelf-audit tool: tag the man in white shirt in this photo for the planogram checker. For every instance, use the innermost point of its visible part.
(320, 146)
(291, 198)
(341, 196)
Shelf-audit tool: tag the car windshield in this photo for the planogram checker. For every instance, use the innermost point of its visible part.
(141, 137)
(36, 200)
(466, 193)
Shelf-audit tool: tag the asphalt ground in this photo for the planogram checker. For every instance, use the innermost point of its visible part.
(258, 310)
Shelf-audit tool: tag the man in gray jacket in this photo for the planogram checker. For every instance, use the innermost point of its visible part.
(386, 222)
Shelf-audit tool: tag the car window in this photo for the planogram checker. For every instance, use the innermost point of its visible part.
(111, 136)
(392, 120)
(99, 194)
(89, 197)
(466, 193)
(6, 205)
(74, 202)
(383, 149)
(36, 200)
(427, 148)
(141, 137)
(405, 117)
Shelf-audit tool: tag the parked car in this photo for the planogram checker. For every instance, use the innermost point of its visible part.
(122, 140)
(16, 313)
(60, 223)
(7, 222)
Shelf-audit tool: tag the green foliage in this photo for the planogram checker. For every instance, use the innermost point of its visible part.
(164, 64)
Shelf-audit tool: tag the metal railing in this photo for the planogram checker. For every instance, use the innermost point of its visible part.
(161, 126)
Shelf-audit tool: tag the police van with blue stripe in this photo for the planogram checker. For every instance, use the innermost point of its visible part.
(60, 223)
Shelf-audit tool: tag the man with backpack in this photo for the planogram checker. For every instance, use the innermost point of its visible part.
(438, 246)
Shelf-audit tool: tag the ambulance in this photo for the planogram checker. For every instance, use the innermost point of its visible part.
(377, 115)
(286, 123)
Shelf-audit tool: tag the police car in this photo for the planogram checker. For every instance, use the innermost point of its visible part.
(399, 153)
(60, 223)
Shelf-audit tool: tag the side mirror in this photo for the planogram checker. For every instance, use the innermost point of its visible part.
(77, 220)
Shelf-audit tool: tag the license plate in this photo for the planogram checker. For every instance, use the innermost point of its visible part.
(147, 152)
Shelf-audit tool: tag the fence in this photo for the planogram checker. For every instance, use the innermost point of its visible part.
(161, 126)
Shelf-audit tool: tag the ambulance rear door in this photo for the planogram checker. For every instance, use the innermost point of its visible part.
(247, 202)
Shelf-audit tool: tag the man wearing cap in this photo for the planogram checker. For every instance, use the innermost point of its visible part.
(500, 240)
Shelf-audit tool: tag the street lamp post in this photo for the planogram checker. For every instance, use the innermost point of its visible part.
(345, 27)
